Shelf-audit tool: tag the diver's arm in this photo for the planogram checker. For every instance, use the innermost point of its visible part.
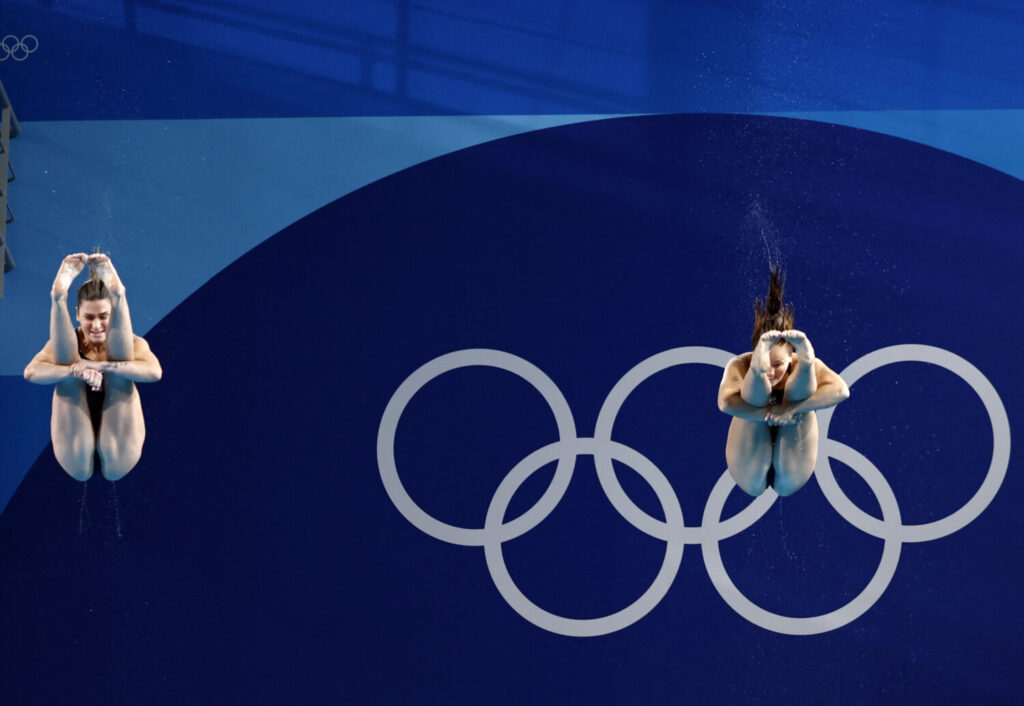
(43, 373)
(831, 391)
(730, 397)
(143, 368)
(41, 370)
(735, 406)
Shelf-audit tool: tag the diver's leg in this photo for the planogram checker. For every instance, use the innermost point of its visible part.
(71, 430)
(803, 381)
(796, 450)
(756, 390)
(748, 453)
(123, 430)
(62, 332)
(120, 337)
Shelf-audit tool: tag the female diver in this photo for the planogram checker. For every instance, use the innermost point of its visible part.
(771, 394)
(96, 408)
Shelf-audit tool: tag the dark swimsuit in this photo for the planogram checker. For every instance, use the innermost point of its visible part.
(94, 398)
(773, 399)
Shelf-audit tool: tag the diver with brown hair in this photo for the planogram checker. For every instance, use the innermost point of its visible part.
(94, 368)
(772, 393)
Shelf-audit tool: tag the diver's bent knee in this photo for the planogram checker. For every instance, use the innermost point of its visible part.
(77, 465)
(119, 466)
(115, 466)
(115, 474)
(752, 484)
(79, 472)
(787, 485)
(752, 489)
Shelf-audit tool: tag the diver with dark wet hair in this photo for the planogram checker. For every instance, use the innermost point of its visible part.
(771, 394)
(94, 368)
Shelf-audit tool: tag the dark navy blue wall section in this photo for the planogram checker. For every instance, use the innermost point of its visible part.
(102, 59)
(255, 556)
(261, 561)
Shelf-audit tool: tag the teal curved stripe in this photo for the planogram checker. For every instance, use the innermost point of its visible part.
(994, 138)
(177, 201)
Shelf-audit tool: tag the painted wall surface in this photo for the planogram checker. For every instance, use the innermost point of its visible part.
(442, 295)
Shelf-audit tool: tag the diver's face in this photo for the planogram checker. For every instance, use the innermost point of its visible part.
(94, 318)
(778, 359)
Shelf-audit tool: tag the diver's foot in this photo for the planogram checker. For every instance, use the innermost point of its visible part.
(104, 269)
(801, 345)
(70, 268)
(760, 361)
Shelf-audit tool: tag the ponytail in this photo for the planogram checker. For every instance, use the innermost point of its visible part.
(772, 314)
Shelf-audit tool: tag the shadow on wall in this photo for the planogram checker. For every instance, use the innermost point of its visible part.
(314, 58)
(123, 59)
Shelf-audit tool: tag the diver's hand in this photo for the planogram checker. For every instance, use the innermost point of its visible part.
(783, 415)
(86, 371)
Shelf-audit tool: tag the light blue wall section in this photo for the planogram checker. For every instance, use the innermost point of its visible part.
(176, 201)
(994, 138)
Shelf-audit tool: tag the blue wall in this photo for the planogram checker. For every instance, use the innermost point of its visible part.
(310, 202)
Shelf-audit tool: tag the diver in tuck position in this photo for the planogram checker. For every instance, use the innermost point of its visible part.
(96, 408)
(772, 393)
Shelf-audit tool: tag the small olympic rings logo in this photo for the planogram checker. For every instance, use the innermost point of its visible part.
(672, 530)
(11, 47)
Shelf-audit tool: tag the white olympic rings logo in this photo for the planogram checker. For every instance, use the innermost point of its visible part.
(18, 49)
(673, 531)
